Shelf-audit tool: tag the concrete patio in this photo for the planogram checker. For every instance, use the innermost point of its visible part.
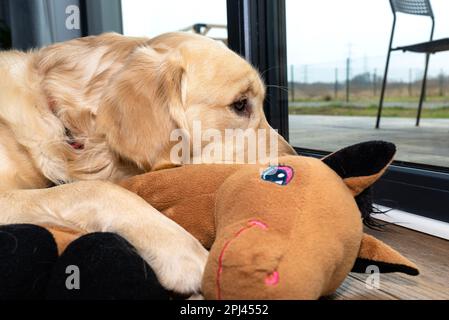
(427, 144)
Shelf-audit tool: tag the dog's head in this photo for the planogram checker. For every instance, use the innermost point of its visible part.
(177, 81)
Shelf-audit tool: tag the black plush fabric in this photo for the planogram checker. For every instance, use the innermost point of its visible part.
(361, 265)
(27, 255)
(360, 160)
(109, 268)
(363, 159)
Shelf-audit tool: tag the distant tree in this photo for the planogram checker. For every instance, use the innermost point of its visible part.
(362, 79)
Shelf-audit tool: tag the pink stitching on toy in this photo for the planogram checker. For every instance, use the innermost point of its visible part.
(258, 223)
(251, 224)
(272, 279)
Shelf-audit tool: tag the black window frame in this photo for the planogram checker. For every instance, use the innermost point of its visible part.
(257, 31)
(99, 16)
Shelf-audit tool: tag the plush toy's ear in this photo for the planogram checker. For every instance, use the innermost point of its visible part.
(374, 252)
(362, 164)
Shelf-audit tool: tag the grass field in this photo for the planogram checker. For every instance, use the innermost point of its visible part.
(375, 100)
(370, 111)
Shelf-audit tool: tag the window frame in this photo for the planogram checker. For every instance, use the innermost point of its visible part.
(100, 16)
(257, 31)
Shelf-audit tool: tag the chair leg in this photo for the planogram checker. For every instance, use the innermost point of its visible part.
(423, 91)
(382, 93)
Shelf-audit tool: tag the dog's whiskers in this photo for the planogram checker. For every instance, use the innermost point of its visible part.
(278, 87)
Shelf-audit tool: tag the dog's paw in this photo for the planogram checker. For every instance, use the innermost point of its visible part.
(179, 265)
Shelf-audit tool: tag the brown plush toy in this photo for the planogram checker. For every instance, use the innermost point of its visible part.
(292, 231)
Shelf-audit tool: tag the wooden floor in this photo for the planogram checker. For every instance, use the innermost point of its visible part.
(430, 254)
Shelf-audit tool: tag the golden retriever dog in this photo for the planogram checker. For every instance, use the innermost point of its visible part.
(80, 115)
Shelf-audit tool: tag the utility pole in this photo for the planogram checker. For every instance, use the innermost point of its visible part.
(348, 80)
(305, 74)
(336, 84)
(441, 83)
(292, 81)
(348, 71)
(410, 82)
(375, 82)
(365, 63)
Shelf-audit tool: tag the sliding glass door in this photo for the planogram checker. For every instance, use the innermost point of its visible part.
(323, 63)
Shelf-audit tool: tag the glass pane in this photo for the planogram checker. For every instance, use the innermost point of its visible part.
(151, 18)
(337, 52)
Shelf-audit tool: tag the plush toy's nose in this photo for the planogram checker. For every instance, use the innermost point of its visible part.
(240, 261)
(254, 261)
(250, 263)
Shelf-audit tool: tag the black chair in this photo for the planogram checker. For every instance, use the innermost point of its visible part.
(421, 8)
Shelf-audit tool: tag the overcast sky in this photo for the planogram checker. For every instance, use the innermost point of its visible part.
(321, 33)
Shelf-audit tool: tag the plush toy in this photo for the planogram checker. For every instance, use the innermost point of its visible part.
(291, 231)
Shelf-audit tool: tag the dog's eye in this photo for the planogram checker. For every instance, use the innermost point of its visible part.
(240, 106)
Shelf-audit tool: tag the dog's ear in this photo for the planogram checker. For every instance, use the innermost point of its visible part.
(362, 164)
(143, 103)
(374, 252)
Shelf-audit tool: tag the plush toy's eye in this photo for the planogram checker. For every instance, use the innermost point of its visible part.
(279, 175)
